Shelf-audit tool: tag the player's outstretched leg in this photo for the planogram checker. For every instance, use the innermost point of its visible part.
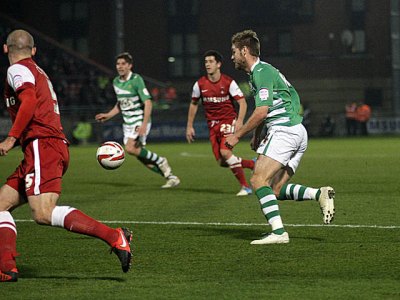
(76, 221)
(324, 195)
(122, 248)
(152, 161)
(159, 165)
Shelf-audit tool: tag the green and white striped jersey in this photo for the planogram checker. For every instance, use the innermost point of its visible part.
(131, 95)
(270, 88)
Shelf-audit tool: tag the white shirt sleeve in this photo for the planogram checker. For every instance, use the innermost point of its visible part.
(17, 75)
(196, 91)
(234, 90)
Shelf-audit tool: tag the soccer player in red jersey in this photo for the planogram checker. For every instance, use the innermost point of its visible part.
(32, 105)
(218, 93)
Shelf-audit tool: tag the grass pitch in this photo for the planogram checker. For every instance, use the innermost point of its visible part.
(193, 242)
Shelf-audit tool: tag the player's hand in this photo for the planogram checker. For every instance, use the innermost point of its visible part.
(231, 141)
(190, 134)
(7, 145)
(142, 130)
(101, 117)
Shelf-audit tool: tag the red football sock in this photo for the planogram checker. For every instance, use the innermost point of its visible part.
(239, 174)
(78, 222)
(248, 164)
(8, 249)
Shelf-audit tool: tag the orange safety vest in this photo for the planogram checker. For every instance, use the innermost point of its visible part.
(363, 113)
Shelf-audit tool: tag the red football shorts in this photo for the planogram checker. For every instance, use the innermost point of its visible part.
(218, 131)
(45, 162)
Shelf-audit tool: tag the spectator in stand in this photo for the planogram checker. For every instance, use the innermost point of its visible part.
(328, 126)
(351, 122)
(363, 114)
(155, 94)
(170, 93)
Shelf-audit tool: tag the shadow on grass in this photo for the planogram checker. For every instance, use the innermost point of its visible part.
(201, 190)
(106, 183)
(246, 233)
(29, 275)
(145, 188)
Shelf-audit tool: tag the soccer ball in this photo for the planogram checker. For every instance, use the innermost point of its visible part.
(110, 155)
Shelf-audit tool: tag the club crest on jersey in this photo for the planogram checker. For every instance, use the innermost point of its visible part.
(263, 94)
(18, 81)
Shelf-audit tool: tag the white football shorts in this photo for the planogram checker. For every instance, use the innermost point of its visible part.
(130, 131)
(285, 144)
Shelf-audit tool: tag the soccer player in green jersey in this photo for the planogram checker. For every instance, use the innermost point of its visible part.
(277, 107)
(134, 102)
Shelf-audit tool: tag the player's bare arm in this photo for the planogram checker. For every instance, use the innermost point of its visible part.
(242, 113)
(256, 118)
(25, 113)
(7, 145)
(103, 117)
(190, 133)
(148, 106)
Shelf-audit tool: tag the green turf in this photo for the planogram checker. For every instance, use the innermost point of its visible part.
(195, 259)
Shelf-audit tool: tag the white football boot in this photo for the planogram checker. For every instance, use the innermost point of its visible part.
(272, 238)
(244, 191)
(326, 203)
(172, 181)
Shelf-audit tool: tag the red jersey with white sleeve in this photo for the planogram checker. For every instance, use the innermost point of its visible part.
(217, 97)
(31, 103)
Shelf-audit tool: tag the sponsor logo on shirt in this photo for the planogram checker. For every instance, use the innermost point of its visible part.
(216, 99)
(263, 94)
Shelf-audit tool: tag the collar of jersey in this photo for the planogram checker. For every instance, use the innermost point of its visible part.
(254, 65)
(129, 77)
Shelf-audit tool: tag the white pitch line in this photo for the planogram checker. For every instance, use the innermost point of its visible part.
(241, 224)
(187, 154)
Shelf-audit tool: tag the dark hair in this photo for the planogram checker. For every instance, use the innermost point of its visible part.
(247, 38)
(218, 56)
(125, 55)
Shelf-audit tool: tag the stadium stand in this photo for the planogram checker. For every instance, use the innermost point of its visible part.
(83, 87)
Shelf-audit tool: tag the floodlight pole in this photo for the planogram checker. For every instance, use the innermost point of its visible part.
(119, 27)
(395, 38)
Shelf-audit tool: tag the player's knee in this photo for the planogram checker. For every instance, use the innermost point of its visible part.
(41, 217)
(225, 154)
(256, 181)
(132, 150)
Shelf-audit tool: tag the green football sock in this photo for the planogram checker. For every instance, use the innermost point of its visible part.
(270, 208)
(298, 192)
